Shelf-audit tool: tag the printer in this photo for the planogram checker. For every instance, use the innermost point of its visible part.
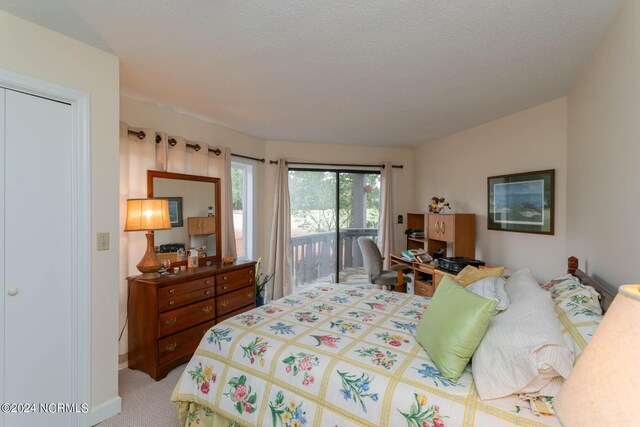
(455, 264)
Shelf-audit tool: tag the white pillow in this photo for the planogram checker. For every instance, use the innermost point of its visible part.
(523, 349)
(491, 288)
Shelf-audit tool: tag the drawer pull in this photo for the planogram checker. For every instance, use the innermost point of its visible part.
(207, 309)
(206, 282)
(224, 288)
(171, 291)
(171, 302)
(171, 322)
(207, 292)
(250, 294)
(250, 271)
(224, 278)
(224, 303)
(171, 347)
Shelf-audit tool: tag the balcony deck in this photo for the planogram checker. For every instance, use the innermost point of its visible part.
(314, 257)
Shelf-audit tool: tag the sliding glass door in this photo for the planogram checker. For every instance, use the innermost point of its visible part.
(330, 209)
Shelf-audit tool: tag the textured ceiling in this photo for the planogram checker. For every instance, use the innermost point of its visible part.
(368, 72)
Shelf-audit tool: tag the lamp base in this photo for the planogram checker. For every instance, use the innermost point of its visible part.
(149, 265)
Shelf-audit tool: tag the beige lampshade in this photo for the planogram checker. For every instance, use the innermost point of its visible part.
(604, 387)
(147, 214)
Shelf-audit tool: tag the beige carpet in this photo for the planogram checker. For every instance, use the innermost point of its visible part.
(145, 402)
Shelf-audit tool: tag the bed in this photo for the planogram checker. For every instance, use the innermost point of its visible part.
(340, 355)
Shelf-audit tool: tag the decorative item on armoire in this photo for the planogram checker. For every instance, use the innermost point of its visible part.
(438, 204)
(521, 202)
(148, 215)
(261, 283)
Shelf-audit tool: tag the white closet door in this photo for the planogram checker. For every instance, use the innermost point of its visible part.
(2, 245)
(38, 328)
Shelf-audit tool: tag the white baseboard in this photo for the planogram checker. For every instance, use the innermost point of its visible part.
(108, 409)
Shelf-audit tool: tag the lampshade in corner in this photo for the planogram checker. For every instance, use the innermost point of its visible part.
(148, 215)
(604, 386)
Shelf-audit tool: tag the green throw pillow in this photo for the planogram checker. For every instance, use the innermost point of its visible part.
(453, 326)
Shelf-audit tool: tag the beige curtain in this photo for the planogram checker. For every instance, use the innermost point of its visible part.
(228, 231)
(176, 154)
(136, 157)
(280, 244)
(386, 223)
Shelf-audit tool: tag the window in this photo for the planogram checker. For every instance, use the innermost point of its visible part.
(330, 210)
(243, 188)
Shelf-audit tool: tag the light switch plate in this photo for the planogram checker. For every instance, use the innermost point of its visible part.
(103, 241)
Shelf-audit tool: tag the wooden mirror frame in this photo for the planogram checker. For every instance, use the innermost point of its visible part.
(184, 177)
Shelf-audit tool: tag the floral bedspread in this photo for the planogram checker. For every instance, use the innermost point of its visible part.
(338, 355)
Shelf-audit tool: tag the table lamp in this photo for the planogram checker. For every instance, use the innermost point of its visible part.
(148, 215)
(604, 386)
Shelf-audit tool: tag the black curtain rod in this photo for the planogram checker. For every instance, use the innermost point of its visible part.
(348, 165)
(248, 157)
(172, 142)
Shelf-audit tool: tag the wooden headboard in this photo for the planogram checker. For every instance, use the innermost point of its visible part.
(606, 295)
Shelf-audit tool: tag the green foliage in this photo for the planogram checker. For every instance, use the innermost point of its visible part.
(313, 199)
(237, 188)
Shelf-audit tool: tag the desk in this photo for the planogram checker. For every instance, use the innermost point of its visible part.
(426, 276)
(397, 259)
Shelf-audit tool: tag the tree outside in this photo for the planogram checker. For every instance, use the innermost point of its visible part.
(313, 201)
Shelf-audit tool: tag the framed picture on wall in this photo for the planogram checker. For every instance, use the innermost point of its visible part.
(522, 202)
(175, 211)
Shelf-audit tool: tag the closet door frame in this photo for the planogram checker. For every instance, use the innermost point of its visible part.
(81, 226)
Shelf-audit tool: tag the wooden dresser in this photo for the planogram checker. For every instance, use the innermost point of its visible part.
(168, 316)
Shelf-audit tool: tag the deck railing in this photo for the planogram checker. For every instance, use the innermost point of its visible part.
(314, 255)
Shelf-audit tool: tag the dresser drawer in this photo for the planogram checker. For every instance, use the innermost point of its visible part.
(234, 285)
(234, 300)
(184, 299)
(185, 288)
(173, 321)
(236, 312)
(234, 280)
(422, 288)
(182, 343)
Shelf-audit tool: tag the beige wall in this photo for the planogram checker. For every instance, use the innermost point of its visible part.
(603, 185)
(331, 153)
(457, 167)
(32, 50)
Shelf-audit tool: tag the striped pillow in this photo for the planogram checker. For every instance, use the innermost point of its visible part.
(523, 349)
(491, 288)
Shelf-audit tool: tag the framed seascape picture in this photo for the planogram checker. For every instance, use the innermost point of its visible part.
(522, 202)
(175, 211)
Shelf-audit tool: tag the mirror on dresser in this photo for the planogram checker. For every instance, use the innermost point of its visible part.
(194, 209)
